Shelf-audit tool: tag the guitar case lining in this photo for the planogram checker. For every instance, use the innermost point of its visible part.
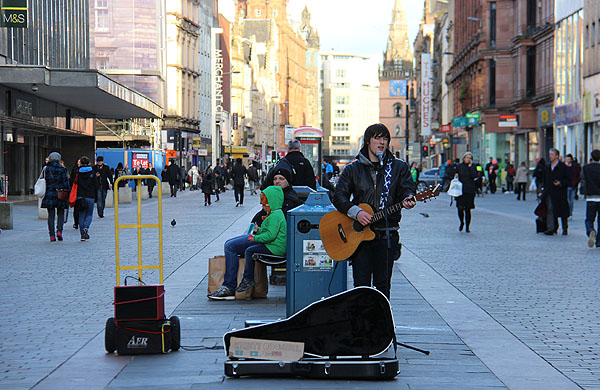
(342, 337)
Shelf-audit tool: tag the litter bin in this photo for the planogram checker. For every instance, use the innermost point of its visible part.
(303, 192)
(311, 274)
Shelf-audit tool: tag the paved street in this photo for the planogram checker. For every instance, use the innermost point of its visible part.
(499, 307)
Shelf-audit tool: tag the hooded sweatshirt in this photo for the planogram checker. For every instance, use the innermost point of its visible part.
(273, 231)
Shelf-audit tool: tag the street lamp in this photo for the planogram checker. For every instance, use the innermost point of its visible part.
(475, 19)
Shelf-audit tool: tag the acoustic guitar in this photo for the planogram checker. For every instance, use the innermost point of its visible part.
(341, 235)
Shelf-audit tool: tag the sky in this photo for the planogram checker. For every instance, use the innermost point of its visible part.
(348, 25)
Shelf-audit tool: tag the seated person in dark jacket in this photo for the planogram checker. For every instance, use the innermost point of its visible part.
(282, 178)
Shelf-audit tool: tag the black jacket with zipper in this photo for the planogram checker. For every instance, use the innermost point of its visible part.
(356, 185)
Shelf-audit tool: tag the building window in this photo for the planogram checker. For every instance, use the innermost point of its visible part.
(340, 140)
(586, 39)
(493, 24)
(531, 11)
(340, 127)
(397, 131)
(340, 113)
(340, 73)
(593, 34)
(258, 12)
(398, 110)
(492, 89)
(341, 100)
(274, 13)
(530, 75)
(101, 63)
(341, 152)
(102, 20)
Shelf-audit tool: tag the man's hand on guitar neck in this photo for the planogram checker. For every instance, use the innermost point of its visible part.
(364, 218)
(409, 202)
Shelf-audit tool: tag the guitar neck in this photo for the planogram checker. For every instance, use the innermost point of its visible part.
(378, 216)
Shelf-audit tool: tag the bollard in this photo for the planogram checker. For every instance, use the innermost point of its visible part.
(110, 200)
(125, 195)
(166, 189)
(144, 191)
(6, 215)
(155, 191)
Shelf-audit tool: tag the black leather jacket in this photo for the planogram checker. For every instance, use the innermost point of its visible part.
(356, 186)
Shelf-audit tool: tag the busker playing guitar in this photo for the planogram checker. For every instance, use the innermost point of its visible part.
(379, 179)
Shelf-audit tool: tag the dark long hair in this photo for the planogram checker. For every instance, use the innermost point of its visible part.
(374, 131)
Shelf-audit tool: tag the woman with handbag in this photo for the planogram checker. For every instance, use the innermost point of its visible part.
(87, 190)
(466, 172)
(56, 195)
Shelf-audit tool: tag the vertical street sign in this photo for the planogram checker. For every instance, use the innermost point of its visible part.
(426, 86)
(216, 60)
(13, 13)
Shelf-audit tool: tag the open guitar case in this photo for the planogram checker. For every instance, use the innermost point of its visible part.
(350, 335)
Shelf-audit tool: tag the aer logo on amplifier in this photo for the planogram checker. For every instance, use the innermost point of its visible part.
(138, 342)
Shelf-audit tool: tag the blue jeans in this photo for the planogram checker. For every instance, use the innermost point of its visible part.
(571, 197)
(86, 213)
(240, 246)
(101, 201)
(592, 211)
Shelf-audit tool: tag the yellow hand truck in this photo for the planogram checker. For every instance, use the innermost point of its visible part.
(139, 325)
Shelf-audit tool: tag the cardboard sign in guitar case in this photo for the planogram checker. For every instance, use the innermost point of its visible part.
(344, 336)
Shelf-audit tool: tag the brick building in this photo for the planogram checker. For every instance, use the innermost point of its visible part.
(502, 75)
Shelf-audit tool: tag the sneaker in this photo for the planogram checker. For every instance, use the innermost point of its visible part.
(52, 238)
(85, 234)
(222, 294)
(592, 239)
(245, 285)
(75, 226)
(82, 238)
(59, 236)
(237, 204)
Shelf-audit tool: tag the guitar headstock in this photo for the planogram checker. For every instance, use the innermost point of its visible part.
(428, 193)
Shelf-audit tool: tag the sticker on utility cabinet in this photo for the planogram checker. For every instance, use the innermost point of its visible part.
(314, 256)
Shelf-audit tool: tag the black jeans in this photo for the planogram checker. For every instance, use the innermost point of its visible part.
(373, 260)
(592, 211)
(173, 189)
(59, 221)
(238, 189)
(521, 189)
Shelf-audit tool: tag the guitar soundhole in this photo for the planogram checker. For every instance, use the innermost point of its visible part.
(358, 227)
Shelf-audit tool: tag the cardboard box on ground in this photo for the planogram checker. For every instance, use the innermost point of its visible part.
(216, 275)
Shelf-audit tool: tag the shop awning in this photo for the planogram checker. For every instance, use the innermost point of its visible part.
(85, 89)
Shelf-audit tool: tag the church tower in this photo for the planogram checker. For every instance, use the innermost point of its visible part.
(398, 50)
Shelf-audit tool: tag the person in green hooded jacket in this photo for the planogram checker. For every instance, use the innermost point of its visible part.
(271, 238)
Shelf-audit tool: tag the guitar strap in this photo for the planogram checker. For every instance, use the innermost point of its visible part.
(387, 180)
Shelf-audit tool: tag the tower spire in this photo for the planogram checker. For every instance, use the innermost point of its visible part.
(398, 49)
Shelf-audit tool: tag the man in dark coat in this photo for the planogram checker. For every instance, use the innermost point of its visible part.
(491, 169)
(238, 172)
(105, 182)
(151, 183)
(591, 189)
(302, 171)
(173, 172)
(554, 193)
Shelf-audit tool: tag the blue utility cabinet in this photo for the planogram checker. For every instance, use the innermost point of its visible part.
(310, 271)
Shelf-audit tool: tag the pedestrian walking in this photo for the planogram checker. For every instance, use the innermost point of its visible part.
(554, 193)
(208, 185)
(87, 191)
(151, 182)
(414, 171)
(173, 173)
(56, 179)
(591, 190)
(574, 171)
(510, 177)
(491, 169)
(194, 175)
(521, 180)
(253, 178)
(466, 172)
(239, 173)
(372, 263)
(105, 183)
(120, 171)
(538, 175)
(270, 239)
(71, 182)
(295, 162)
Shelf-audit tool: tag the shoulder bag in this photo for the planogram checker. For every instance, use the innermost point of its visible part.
(73, 194)
(40, 185)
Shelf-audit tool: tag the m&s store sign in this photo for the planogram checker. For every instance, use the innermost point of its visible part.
(13, 13)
